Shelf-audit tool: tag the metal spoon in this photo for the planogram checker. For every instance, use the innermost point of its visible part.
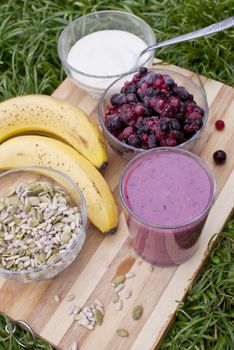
(213, 28)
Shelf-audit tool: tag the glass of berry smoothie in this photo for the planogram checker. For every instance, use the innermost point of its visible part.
(166, 195)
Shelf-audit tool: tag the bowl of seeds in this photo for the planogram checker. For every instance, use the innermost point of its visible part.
(43, 221)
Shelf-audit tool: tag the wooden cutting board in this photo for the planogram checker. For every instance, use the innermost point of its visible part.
(102, 257)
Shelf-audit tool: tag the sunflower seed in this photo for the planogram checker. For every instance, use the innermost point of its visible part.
(99, 303)
(76, 310)
(28, 214)
(57, 298)
(90, 327)
(119, 305)
(83, 321)
(119, 288)
(74, 346)
(71, 309)
(70, 297)
(129, 275)
(88, 313)
(128, 294)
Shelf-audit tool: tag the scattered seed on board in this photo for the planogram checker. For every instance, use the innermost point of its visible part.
(122, 333)
(115, 298)
(119, 305)
(119, 288)
(137, 312)
(98, 316)
(100, 308)
(117, 280)
(76, 310)
(128, 294)
(57, 298)
(70, 297)
(83, 321)
(89, 313)
(71, 309)
(90, 327)
(129, 275)
(74, 346)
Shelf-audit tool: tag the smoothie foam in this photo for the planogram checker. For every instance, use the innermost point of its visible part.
(168, 189)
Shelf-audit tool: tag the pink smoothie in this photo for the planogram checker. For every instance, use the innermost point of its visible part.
(167, 195)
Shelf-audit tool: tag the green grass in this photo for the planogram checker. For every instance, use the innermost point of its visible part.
(206, 319)
(29, 64)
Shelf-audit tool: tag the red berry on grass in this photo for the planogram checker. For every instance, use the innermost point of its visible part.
(219, 124)
(219, 157)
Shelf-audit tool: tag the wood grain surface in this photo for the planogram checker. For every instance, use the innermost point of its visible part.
(102, 257)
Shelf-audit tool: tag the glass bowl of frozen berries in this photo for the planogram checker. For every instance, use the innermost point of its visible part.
(152, 108)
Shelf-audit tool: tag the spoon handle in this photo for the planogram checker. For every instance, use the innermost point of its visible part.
(213, 28)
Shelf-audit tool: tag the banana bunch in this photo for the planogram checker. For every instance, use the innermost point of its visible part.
(83, 151)
(44, 151)
(54, 117)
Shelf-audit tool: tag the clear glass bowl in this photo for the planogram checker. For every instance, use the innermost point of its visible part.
(128, 151)
(24, 174)
(164, 245)
(96, 21)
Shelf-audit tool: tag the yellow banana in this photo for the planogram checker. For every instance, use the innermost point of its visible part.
(39, 150)
(42, 113)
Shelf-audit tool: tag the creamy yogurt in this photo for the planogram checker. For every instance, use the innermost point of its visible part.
(105, 53)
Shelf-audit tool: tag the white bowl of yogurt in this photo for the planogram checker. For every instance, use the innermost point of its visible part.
(98, 48)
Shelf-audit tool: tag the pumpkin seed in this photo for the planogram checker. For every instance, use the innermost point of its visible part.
(98, 316)
(118, 280)
(40, 216)
(34, 213)
(53, 257)
(17, 220)
(13, 209)
(38, 190)
(137, 312)
(28, 215)
(14, 200)
(10, 191)
(20, 235)
(38, 259)
(122, 333)
(33, 222)
(43, 257)
(65, 238)
(9, 264)
(34, 200)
